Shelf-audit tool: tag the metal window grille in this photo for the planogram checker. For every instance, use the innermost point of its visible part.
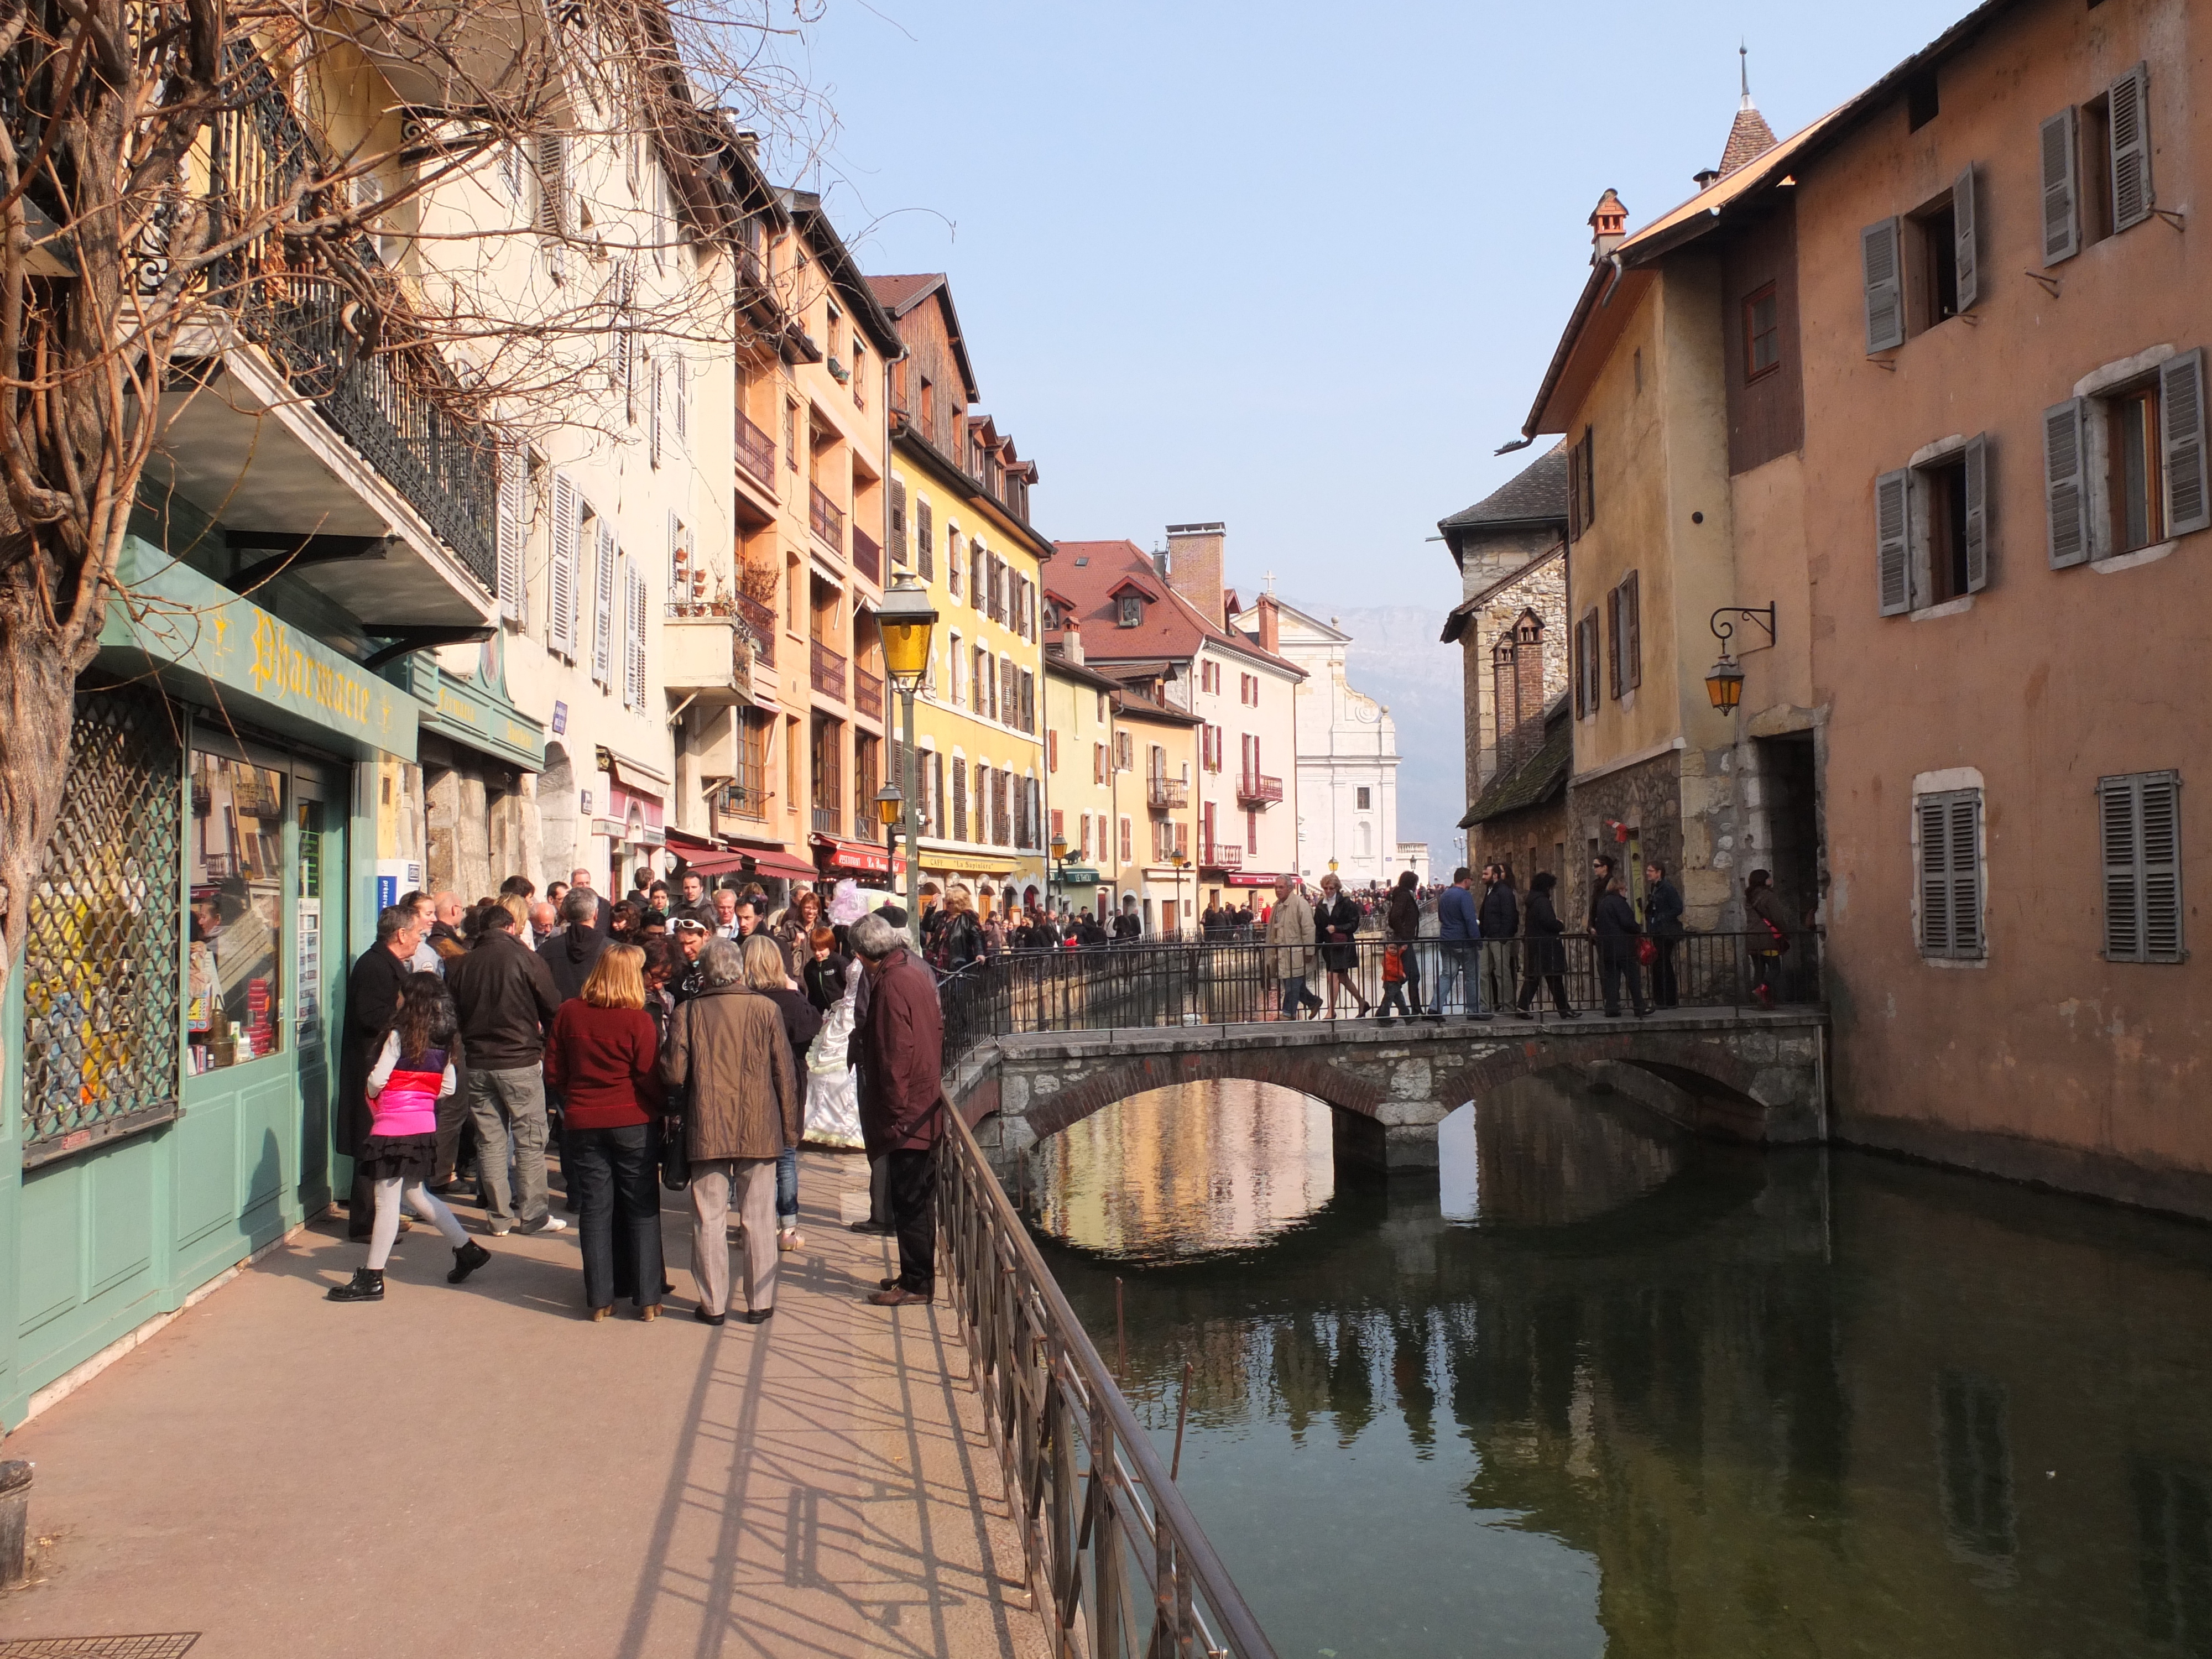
(101, 956)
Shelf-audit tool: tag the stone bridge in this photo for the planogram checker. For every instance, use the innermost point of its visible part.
(1749, 1075)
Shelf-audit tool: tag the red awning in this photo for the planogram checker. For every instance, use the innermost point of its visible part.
(860, 857)
(1250, 878)
(782, 863)
(708, 862)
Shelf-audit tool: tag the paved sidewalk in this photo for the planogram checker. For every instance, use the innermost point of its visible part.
(482, 1469)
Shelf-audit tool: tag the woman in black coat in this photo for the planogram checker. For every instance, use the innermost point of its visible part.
(1617, 930)
(1545, 956)
(1336, 925)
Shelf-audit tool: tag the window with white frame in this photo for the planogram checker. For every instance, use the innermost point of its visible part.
(2124, 463)
(1932, 528)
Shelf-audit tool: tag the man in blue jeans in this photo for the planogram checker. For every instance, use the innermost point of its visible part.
(1459, 933)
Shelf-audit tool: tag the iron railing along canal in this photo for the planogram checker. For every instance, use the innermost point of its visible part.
(1119, 1564)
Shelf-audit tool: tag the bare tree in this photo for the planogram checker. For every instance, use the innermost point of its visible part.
(177, 172)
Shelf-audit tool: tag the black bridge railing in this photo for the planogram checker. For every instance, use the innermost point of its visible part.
(1116, 1561)
(1150, 983)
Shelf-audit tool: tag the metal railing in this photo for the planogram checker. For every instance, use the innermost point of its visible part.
(827, 668)
(827, 821)
(1220, 983)
(1258, 789)
(1116, 1561)
(867, 555)
(757, 454)
(826, 516)
(1219, 855)
(1164, 794)
(868, 693)
(760, 621)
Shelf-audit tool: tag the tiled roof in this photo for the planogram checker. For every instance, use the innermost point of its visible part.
(1537, 779)
(897, 294)
(1535, 495)
(1749, 138)
(1090, 573)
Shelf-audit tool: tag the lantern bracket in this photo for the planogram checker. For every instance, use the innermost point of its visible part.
(1725, 631)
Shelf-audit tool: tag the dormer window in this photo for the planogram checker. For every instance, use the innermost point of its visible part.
(1132, 613)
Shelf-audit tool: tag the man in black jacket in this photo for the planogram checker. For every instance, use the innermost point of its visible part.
(1662, 921)
(372, 991)
(1615, 922)
(571, 954)
(503, 993)
(1500, 917)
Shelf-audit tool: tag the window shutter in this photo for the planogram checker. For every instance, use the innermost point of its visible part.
(639, 599)
(680, 391)
(1965, 815)
(1977, 512)
(1966, 261)
(1613, 641)
(2128, 102)
(603, 607)
(2061, 217)
(2065, 482)
(2181, 425)
(552, 183)
(561, 582)
(1935, 875)
(1632, 619)
(2119, 809)
(925, 535)
(514, 526)
(1892, 520)
(652, 408)
(899, 521)
(2161, 818)
(1885, 293)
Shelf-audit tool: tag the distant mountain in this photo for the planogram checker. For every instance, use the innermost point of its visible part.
(1396, 659)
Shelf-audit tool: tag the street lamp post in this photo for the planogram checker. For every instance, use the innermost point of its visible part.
(905, 619)
(1180, 860)
(1058, 879)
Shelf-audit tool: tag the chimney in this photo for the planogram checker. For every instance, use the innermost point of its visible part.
(1529, 684)
(1271, 629)
(1071, 642)
(1194, 569)
(1608, 223)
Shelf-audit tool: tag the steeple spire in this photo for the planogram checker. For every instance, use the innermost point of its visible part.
(1749, 136)
(1743, 67)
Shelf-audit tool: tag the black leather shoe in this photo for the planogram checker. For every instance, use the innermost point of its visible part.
(756, 1315)
(466, 1260)
(879, 1227)
(366, 1285)
(705, 1318)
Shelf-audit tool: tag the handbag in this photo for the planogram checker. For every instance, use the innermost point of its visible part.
(675, 1159)
(1647, 949)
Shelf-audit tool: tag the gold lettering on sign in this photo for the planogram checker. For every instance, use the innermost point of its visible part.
(284, 672)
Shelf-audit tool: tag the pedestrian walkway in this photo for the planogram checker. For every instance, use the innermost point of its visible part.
(484, 1469)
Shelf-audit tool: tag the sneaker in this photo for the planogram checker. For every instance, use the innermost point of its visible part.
(466, 1260)
(546, 1223)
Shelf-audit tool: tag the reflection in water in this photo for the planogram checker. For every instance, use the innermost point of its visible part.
(1703, 1401)
(1187, 1171)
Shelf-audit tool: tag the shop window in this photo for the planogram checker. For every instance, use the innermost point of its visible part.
(234, 1009)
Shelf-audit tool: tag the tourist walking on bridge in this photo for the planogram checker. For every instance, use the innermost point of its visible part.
(726, 1045)
(902, 1099)
(1499, 915)
(1770, 923)
(1336, 924)
(1663, 925)
(1544, 955)
(1291, 931)
(1459, 932)
(1613, 921)
(1401, 926)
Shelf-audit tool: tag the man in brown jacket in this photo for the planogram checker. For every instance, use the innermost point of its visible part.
(903, 1097)
(727, 1044)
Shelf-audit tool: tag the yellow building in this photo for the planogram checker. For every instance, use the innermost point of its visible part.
(1082, 786)
(959, 521)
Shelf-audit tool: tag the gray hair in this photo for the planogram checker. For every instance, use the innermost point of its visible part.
(392, 920)
(763, 961)
(720, 961)
(873, 938)
(580, 907)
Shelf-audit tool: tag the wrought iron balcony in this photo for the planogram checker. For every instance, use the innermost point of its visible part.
(827, 517)
(868, 695)
(760, 621)
(757, 454)
(827, 821)
(867, 555)
(1217, 855)
(1256, 789)
(1166, 793)
(829, 672)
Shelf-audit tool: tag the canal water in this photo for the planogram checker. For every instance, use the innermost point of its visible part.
(1602, 1389)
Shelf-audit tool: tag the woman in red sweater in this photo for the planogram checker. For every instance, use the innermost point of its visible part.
(604, 1058)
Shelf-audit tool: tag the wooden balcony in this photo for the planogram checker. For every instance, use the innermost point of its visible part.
(757, 454)
(867, 555)
(827, 518)
(1254, 789)
(827, 672)
(1166, 794)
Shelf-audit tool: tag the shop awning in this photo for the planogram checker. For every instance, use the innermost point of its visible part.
(783, 864)
(864, 858)
(1079, 875)
(634, 775)
(1251, 879)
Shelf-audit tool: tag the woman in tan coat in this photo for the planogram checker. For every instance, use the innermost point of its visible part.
(728, 1059)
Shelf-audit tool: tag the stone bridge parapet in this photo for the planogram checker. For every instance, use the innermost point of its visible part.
(1752, 1076)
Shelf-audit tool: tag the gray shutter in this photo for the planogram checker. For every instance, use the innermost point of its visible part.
(1892, 523)
(633, 678)
(2065, 482)
(652, 408)
(682, 380)
(2128, 109)
(1613, 681)
(925, 535)
(1884, 292)
(2161, 820)
(1967, 259)
(1935, 875)
(513, 527)
(899, 521)
(1966, 873)
(561, 583)
(552, 182)
(2120, 831)
(2062, 195)
(2181, 426)
(602, 606)
(1977, 512)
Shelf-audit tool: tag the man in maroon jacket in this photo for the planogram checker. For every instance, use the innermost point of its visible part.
(903, 1097)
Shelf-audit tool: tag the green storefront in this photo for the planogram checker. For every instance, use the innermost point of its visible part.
(170, 1047)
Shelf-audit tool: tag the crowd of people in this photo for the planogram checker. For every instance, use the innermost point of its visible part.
(682, 1040)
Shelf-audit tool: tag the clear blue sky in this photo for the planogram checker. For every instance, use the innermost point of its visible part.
(1295, 267)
